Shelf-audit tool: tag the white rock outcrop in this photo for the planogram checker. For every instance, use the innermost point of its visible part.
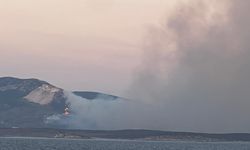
(42, 95)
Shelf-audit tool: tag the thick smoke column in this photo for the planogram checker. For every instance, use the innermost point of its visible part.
(196, 68)
(194, 77)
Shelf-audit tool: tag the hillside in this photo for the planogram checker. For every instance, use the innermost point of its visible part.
(27, 103)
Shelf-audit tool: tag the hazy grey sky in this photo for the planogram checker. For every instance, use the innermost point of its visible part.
(77, 45)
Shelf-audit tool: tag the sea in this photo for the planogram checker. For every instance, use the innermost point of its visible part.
(102, 144)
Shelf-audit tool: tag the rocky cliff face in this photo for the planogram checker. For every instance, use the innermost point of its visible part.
(27, 102)
(43, 95)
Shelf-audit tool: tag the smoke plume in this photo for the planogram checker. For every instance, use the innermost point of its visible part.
(196, 68)
(104, 113)
(194, 76)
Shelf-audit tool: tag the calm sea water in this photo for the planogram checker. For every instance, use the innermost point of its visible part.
(62, 144)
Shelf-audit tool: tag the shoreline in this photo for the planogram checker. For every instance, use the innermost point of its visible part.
(131, 135)
(119, 140)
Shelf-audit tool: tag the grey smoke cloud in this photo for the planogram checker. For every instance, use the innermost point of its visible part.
(104, 113)
(194, 77)
(197, 66)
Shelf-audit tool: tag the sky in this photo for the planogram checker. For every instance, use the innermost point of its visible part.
(77, 45)
(184, 64)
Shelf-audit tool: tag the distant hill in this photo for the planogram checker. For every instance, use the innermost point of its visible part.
(27, 103)
(94, 95)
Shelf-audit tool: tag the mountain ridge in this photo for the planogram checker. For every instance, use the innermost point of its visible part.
(27, 103)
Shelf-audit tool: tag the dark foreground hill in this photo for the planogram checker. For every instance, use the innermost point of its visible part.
(27, 103)
(122, 134)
